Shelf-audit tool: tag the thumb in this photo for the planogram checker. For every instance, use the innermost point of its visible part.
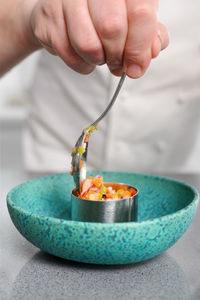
(161, 40)
(142, 20)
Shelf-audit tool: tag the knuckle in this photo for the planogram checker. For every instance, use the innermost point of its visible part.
(131, 54)
(50, 12)
(111, 27)
(66, 53)
(47, 10)
(115, 63)
(137, 57)
(141, 12)
(72, 59)
(91, 49)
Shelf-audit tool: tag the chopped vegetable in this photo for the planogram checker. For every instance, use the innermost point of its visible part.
(74, 150)
(93, 188)
(81, 150)
(81, 164)
(88, 132)
(90, 129)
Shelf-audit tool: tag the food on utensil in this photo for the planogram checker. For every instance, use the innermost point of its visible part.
(93, 188)
(81, 149)
(87, 132)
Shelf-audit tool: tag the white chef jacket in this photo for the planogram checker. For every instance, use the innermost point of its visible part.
(153, 127)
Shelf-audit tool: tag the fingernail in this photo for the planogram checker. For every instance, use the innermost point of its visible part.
(134, 71)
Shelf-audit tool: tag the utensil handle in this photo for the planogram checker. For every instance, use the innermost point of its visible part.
(112, 100)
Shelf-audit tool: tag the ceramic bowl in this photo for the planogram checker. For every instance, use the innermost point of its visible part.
(40, 210)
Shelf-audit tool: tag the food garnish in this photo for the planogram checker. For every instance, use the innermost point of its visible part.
(93, 188)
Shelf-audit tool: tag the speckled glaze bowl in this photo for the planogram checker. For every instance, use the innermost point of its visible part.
(40, 210)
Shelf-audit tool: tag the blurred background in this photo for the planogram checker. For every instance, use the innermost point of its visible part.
(180, 68)
(13, 112)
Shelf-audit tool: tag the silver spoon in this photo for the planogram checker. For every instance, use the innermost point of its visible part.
(79, 153)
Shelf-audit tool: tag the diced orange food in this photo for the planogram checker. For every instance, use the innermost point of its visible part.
(93, 188)
(81, 164)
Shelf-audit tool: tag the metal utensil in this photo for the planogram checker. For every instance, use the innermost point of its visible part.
(79, 153)
(105, 211)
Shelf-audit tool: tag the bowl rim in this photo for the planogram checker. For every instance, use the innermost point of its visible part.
(68, 222)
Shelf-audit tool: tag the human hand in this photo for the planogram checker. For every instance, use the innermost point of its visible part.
(86, 33)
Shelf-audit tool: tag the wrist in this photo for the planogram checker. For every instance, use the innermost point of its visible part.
(15, 25)
(25, 29)
(16, 39)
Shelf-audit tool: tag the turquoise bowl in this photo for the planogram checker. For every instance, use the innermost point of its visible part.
(40, 210)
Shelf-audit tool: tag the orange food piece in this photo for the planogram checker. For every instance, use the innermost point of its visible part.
(81, 163)
(86, 139)
(93, 188)
(127, 194)
(98, 181)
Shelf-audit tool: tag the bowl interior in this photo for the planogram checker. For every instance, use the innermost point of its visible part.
(51, 195)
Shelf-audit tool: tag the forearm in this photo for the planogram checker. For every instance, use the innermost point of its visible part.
(16, 42)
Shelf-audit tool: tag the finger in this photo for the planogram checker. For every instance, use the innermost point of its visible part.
(48, 48)
(49, 28)
(62, 46)
(82, 34)
(64, 49)
(110, 21)
(142, 27)
(161, 40)
(163, 34)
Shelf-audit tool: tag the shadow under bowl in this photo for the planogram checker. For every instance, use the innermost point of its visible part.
(41, 208)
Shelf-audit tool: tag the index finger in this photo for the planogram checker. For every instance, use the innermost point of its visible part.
(142, 28)
(110, 21)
